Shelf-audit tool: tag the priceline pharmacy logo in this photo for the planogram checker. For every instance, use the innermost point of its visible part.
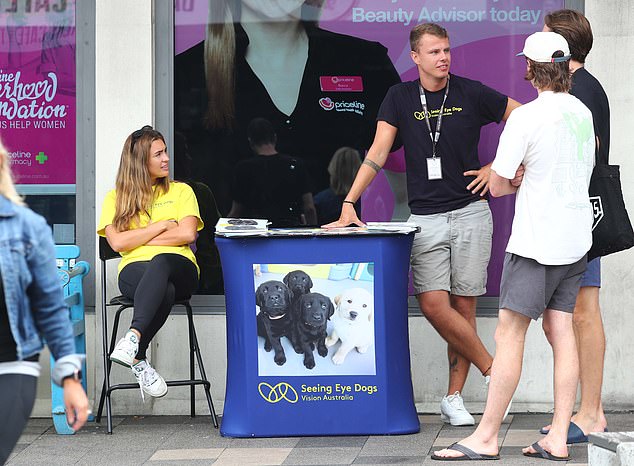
(29, 100)
(26, 158)
(342, 106)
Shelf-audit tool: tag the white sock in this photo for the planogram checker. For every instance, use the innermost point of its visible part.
(130, 335)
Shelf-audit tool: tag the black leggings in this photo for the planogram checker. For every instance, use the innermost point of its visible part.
(154, 286)
(17, 396)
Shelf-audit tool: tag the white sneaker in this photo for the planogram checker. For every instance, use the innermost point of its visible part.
(452, 411)
(126, 349)
(149, 380)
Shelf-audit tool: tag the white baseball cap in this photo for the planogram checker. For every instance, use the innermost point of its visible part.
(546, 47)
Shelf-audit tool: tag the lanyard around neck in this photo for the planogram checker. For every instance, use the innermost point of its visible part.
(435, 136)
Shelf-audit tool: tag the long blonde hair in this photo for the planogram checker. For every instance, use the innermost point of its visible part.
(134, 184)
(343, 168)
(220, 58)
(7, 188)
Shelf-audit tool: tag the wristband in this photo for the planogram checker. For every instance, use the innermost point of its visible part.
(349, 202)
(76, 375)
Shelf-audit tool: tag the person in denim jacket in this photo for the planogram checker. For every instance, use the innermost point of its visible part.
(31, 308)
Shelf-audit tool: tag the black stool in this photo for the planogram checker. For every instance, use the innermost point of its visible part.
(105, 254)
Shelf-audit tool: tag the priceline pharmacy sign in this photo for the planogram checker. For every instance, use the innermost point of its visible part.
(37, 91)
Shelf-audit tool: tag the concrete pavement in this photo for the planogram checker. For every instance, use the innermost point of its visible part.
(176, 440)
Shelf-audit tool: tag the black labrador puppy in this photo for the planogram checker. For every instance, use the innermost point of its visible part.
(300, 283)
(309, 327)
(274, 320)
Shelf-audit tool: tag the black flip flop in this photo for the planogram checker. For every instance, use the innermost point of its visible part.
(467, 454)
(575, 434)
(541, 453)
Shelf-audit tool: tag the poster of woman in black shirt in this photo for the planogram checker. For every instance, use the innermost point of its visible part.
(319, 69)
(270, 59)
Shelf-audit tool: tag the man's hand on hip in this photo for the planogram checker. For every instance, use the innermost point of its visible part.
(481, 181)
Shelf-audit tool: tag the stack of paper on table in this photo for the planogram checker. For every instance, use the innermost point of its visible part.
(242, 226)
(402, 227)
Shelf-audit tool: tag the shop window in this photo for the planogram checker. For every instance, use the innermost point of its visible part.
(38, 106)
(318, 70)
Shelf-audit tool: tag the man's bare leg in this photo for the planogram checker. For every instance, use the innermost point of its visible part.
(458, 364)
(454, 328)
(505, 375)
(560, 334)
(590, 338)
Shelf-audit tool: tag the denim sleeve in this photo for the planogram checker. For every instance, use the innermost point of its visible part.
(50, 313)
(66, 366)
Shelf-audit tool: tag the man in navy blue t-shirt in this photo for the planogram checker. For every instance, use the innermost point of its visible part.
(438, 118)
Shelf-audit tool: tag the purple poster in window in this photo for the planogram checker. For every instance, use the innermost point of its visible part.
(331, 100)
(37, 91)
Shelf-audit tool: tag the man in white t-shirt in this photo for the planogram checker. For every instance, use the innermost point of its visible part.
(552, 137)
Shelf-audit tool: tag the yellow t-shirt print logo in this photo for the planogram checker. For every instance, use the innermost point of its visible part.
(421, 115)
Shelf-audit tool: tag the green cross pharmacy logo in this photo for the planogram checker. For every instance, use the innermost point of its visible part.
(41, 158)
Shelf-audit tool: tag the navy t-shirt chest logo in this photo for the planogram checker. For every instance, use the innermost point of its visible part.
(449, 111)
(420, 115)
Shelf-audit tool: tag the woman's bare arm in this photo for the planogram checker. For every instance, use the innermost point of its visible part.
(183, 233)
(130, 239)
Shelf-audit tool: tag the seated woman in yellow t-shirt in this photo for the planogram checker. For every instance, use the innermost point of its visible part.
(150, 221)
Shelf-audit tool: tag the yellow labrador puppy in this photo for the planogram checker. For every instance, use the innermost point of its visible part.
(352, 323)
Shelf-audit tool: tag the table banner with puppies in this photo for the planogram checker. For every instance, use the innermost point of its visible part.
(317, 347)
(315, 319)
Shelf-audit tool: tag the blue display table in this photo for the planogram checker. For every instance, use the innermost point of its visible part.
(355, 309)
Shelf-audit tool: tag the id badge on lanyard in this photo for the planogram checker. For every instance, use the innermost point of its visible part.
(434, 165)
(434, 168)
